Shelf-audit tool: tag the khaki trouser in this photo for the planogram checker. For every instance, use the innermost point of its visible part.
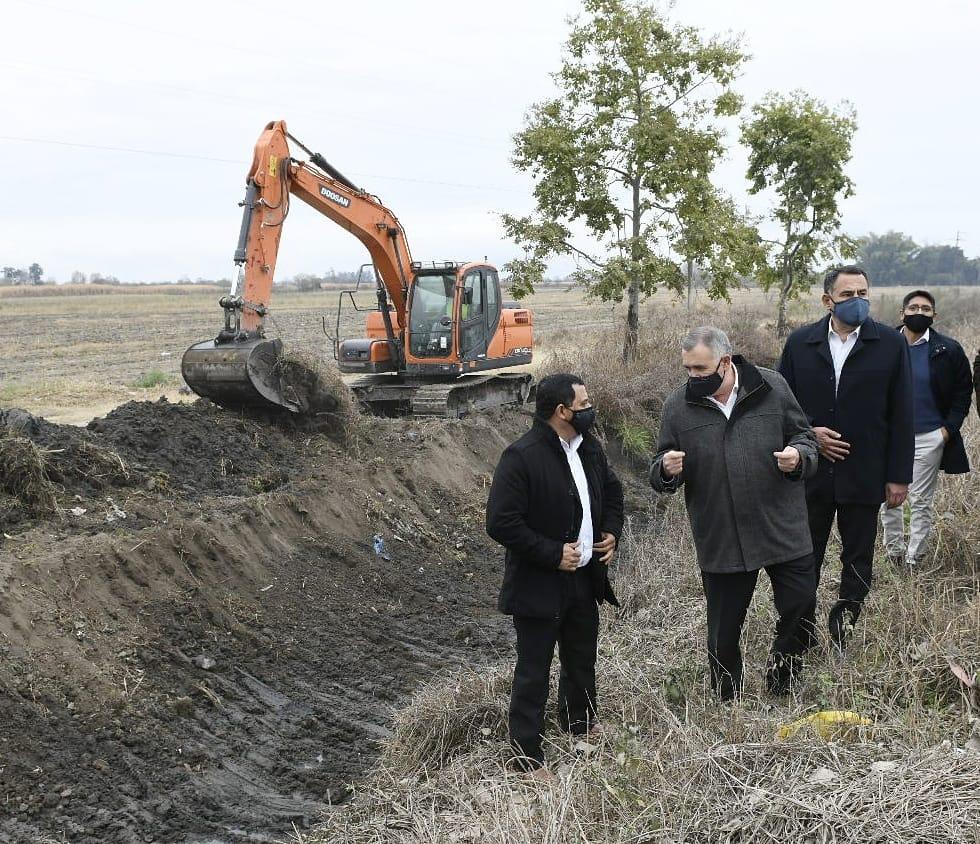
(925, 478)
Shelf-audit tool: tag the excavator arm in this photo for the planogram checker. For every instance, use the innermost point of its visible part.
(273, 177)
(241, 367)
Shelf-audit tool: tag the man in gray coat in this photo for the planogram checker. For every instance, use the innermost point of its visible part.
(736, 439)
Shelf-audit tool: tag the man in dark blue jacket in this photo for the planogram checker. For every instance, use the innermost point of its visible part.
(557, 507)
(942, 390)
(851, 375)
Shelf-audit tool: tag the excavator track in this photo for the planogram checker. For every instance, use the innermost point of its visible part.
(436, 400)
(387, 396)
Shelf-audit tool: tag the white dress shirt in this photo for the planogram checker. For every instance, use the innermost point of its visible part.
(923, 339)
(728, 406)
(585, 539)
(840, 349)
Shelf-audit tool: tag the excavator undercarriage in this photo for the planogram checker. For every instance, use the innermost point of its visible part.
(386, 395)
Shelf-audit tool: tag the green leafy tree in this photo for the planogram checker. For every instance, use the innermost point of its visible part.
(798, 148)
(887, 257)
(622, 159)
(35, 273)
(723, 245)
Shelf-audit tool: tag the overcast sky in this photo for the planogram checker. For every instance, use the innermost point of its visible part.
(417, 102)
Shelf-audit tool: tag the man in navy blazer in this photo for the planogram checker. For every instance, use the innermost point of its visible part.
(852, 377)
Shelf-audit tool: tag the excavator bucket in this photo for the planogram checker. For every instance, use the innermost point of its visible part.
(240, 374)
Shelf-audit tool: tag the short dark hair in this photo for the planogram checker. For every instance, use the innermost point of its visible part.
(925, 294)
(830, 279)
(553, 391)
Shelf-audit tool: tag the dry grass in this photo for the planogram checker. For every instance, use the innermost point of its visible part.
(24, 473)
(677, 766)
(31, 476)
(101, 467)
(43, 291)
(630, 397)
(65, 350)
(68, 349)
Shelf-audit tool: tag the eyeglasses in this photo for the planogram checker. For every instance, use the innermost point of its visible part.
(919, 309)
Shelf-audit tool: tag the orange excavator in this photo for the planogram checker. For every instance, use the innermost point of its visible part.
(433, 345)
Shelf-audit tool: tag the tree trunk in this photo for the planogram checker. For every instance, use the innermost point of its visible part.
(782, 329)
(781, 315)
(632, 338)
(690, 282)
(632, 323)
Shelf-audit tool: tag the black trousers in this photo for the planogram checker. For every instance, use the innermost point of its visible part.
(858, 528)
(794, 589)
(576, 632)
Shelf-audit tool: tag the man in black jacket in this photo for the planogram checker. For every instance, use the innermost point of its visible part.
(976, 379)
(735, 438)
(851, 375)
(557, 507)
(942, 390)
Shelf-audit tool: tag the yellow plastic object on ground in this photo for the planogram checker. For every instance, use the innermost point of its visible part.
(826, 724)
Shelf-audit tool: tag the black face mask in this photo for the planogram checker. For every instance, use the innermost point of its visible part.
(583, 420)
(917, 323)
(705, 385)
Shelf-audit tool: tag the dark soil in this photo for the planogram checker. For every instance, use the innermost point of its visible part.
(191, 450)
(200, 643)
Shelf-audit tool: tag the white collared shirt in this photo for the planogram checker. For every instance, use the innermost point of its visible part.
(585, 538)
(923, 339)
(728, 406)
(840, 349)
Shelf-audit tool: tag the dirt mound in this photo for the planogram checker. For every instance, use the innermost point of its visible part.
(188, 450)
(201, 447)
(43, 465)
(190, 653)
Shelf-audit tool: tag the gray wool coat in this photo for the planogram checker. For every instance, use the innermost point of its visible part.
(745, 513)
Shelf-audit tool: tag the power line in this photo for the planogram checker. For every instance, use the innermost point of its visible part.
(155, 152)
(241, 163)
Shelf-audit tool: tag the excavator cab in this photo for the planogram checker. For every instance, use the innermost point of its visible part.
(457, 330)
(431, 315)
(456, 325)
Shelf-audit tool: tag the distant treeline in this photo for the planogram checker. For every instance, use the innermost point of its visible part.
(891, 259)
(34, 274)
(894, 258)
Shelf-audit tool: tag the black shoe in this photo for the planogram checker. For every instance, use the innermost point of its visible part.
(781, 672)
(727, 690)
(841, 622)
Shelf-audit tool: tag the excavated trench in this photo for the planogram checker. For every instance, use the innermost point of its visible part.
(199, 639)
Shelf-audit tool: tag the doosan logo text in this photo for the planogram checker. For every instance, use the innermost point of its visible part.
(333, 196)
